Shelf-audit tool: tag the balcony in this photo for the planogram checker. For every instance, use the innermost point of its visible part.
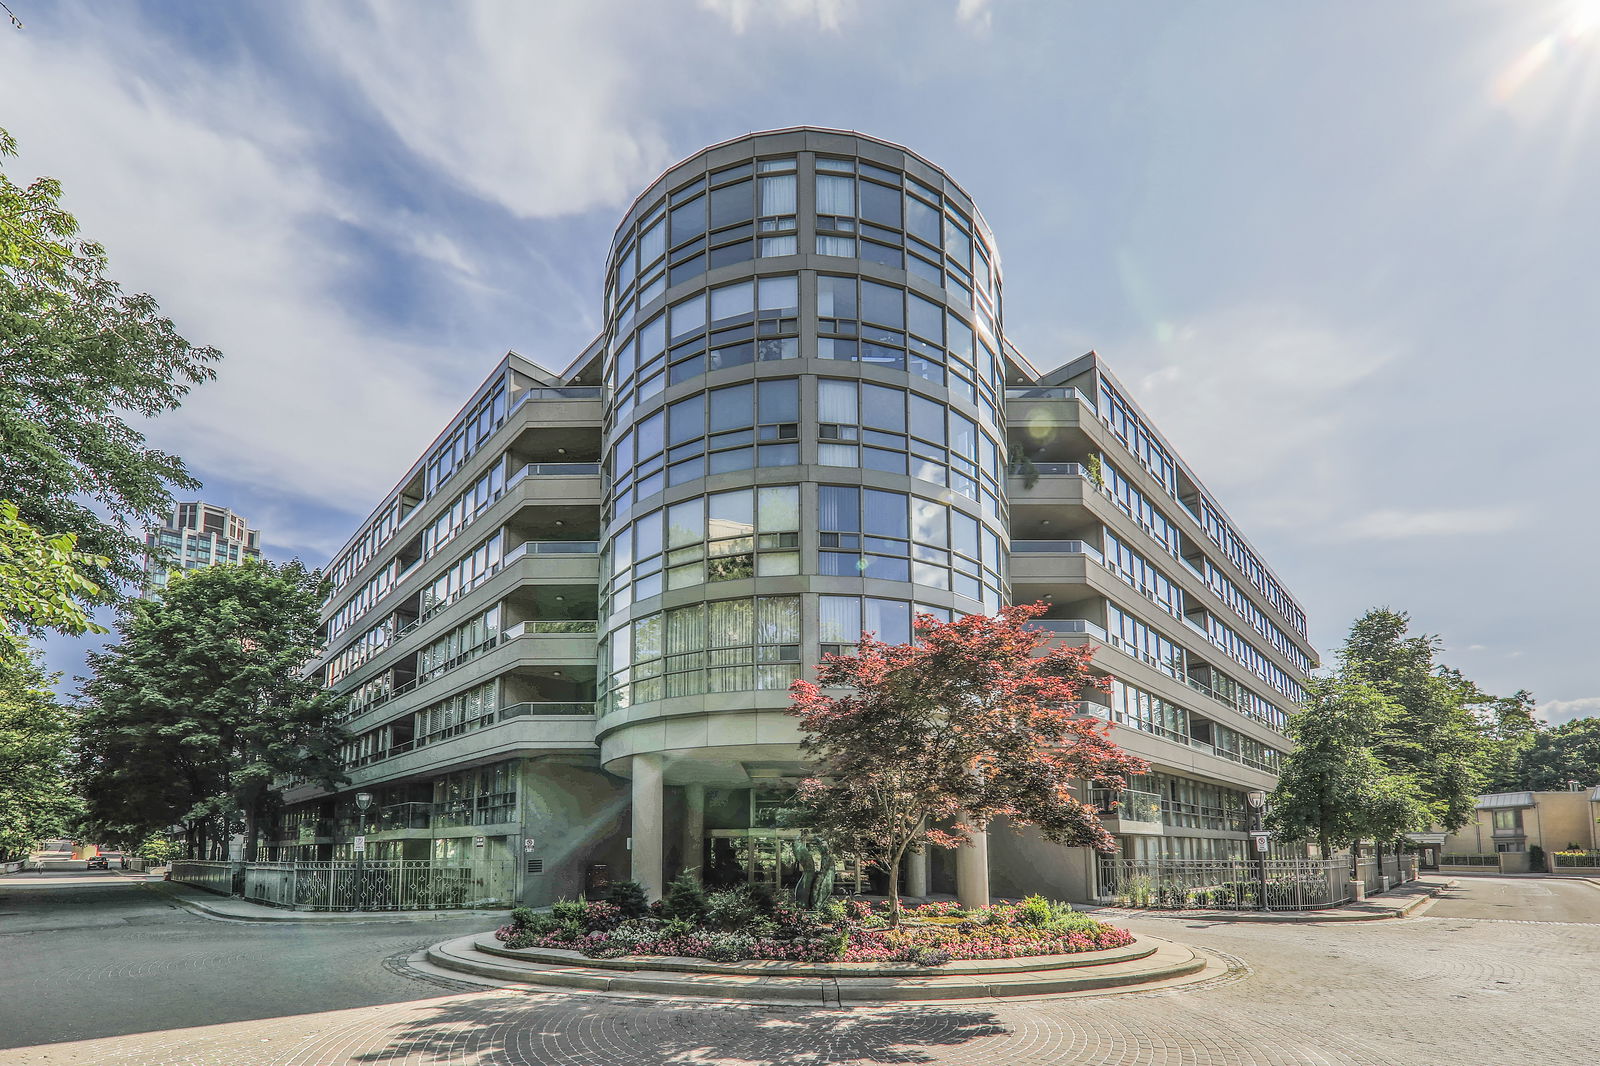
(1067, 627)
(1128, 812)
(1057, 547)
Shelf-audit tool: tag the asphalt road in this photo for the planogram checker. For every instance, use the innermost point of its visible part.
(94, 970)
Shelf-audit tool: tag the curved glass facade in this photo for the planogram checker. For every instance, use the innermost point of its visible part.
(805, 410)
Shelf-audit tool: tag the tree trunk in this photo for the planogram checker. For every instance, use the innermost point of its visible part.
(894, 894)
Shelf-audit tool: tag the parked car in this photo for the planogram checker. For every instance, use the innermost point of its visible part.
(99, 862)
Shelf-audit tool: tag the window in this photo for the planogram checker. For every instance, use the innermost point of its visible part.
(1508, 821)
(721, 646)
(896, 537)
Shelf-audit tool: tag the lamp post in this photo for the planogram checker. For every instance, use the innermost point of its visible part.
(363, 801)
(1258, 802)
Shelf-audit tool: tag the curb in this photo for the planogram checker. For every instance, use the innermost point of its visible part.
(216, 914)
(1169, 964)
(1280, 918)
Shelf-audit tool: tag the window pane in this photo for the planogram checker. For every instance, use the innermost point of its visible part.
(731, 408)
(922, 221)
(836, 401)
(779, 401)
(836, 195)
(928, 522)
(686, 419)
(927, 419)
(964, 533)
(885, 513)
(883, 408)
(649, 436)
(777, 195)
(653, 243)
(836, 297)
(647, 536)
(688, 316)
(779, 508)
(889, 620)
(730, 204)
(882, 304)
(839, 619)
(686, 523)
(731, 623)
(689, 220)
(879, 204)
(839, 508)
(926, 318)
(778, 620)
(780, 294)
(732, 302)
(732, 514)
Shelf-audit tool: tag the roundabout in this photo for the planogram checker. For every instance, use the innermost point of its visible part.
(1148, 962)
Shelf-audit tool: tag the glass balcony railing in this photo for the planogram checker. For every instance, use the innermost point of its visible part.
(1070, 627)
(551, 547)
(535, 627)
(1128, 805)
(1049, 392)
(522, 710)
(1057, 547)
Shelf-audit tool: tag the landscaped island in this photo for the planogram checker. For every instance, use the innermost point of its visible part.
(732, 925)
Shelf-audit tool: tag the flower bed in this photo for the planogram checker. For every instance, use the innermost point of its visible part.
(735, 925)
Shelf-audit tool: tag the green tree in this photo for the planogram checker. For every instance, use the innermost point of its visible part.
(928, 742)
(1569, 752)
(1334, 788)
(204, 702)
(36, 797)
(1432, 738)
(78, 358)
(40, 579)
(1510, 729)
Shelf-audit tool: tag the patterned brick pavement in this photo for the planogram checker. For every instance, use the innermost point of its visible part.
(1431, 991)
(1424, 992)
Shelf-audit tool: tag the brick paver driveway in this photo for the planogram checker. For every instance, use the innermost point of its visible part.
(1436, 990)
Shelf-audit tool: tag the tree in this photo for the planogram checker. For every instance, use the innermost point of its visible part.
(932, 740)
(1510, 730)
(78, 357)
(1333, 787)
(204, 702)
(40, 576)
(1432, 738)
(36, 798)
(1564, 753)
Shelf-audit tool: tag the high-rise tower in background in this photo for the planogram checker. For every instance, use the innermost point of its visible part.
(566, 637)
(197, 535)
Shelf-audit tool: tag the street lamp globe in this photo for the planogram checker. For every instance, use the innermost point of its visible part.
(1257, 799)
(363, 800)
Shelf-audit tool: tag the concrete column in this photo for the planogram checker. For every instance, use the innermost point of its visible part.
(917, 874)
(647, 818)
(694, 829)
(972, 872)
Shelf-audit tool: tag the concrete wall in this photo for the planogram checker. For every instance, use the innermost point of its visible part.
(577, 816)
(1023, 863)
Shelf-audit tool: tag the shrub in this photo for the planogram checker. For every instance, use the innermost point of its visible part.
(522, 917)
(730, 908)
(1035, 910)
(1536, 860)
(929, 957)
(628, 897)
(729, 947)
(684, 899)
(832, 911)
(568, 909)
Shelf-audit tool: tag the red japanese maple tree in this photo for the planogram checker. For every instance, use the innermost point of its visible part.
(932, 740)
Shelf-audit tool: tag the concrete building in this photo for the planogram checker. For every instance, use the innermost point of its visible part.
(566, 637)
(1507, 824)
(197, 535)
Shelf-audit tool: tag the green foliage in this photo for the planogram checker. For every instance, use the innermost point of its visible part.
(684, 898)
(36, 798)
(569, 910)
(41, 581)
(731, 908)
(1536, 859)
(1569, 752)
(81, 363)
(629, 898)
(1510, 734)
(203, 705)
(1096, 470)
(1334, 788)
(158, 848)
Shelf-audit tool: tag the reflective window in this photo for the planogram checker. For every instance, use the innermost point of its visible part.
(721, 646)
(896, 537)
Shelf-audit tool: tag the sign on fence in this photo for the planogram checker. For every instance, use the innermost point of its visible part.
(359, 845)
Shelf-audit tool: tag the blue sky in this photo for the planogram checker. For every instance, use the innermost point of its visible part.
(1344, 253)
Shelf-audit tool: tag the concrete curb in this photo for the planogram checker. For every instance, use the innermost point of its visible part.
(262, 915)
(1169, 964)
(1279, 918)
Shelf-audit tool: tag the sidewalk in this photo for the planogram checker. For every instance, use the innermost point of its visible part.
(1398, 902)
(229, 909)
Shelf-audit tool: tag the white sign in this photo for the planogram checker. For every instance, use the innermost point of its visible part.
(360, 845)
(479, 842)
(1261, 839)
(527, 843)
(236, 847)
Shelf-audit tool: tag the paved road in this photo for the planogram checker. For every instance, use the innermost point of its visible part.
(163, 988)
(1538, 899)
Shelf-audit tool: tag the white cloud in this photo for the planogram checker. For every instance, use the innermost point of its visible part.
(217, 209)
(1558, 712)
(533, 107)
(827, 14)
(977, 14)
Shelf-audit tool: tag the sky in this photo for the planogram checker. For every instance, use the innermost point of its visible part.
(1345, 254)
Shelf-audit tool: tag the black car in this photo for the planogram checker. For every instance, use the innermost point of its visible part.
(99, 862)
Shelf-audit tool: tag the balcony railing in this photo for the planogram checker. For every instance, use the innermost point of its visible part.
(527, 709)
(547, 626)
(567, 392)
(1057, 547)
(1049, 392)
(538, 708)
(1128, 805)
(551, 547)
(1069, 627)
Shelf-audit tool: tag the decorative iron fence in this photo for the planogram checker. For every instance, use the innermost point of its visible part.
(1469, 860)
(380, 885)
(1577, 860)
(1225, 884)
(209, 874)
